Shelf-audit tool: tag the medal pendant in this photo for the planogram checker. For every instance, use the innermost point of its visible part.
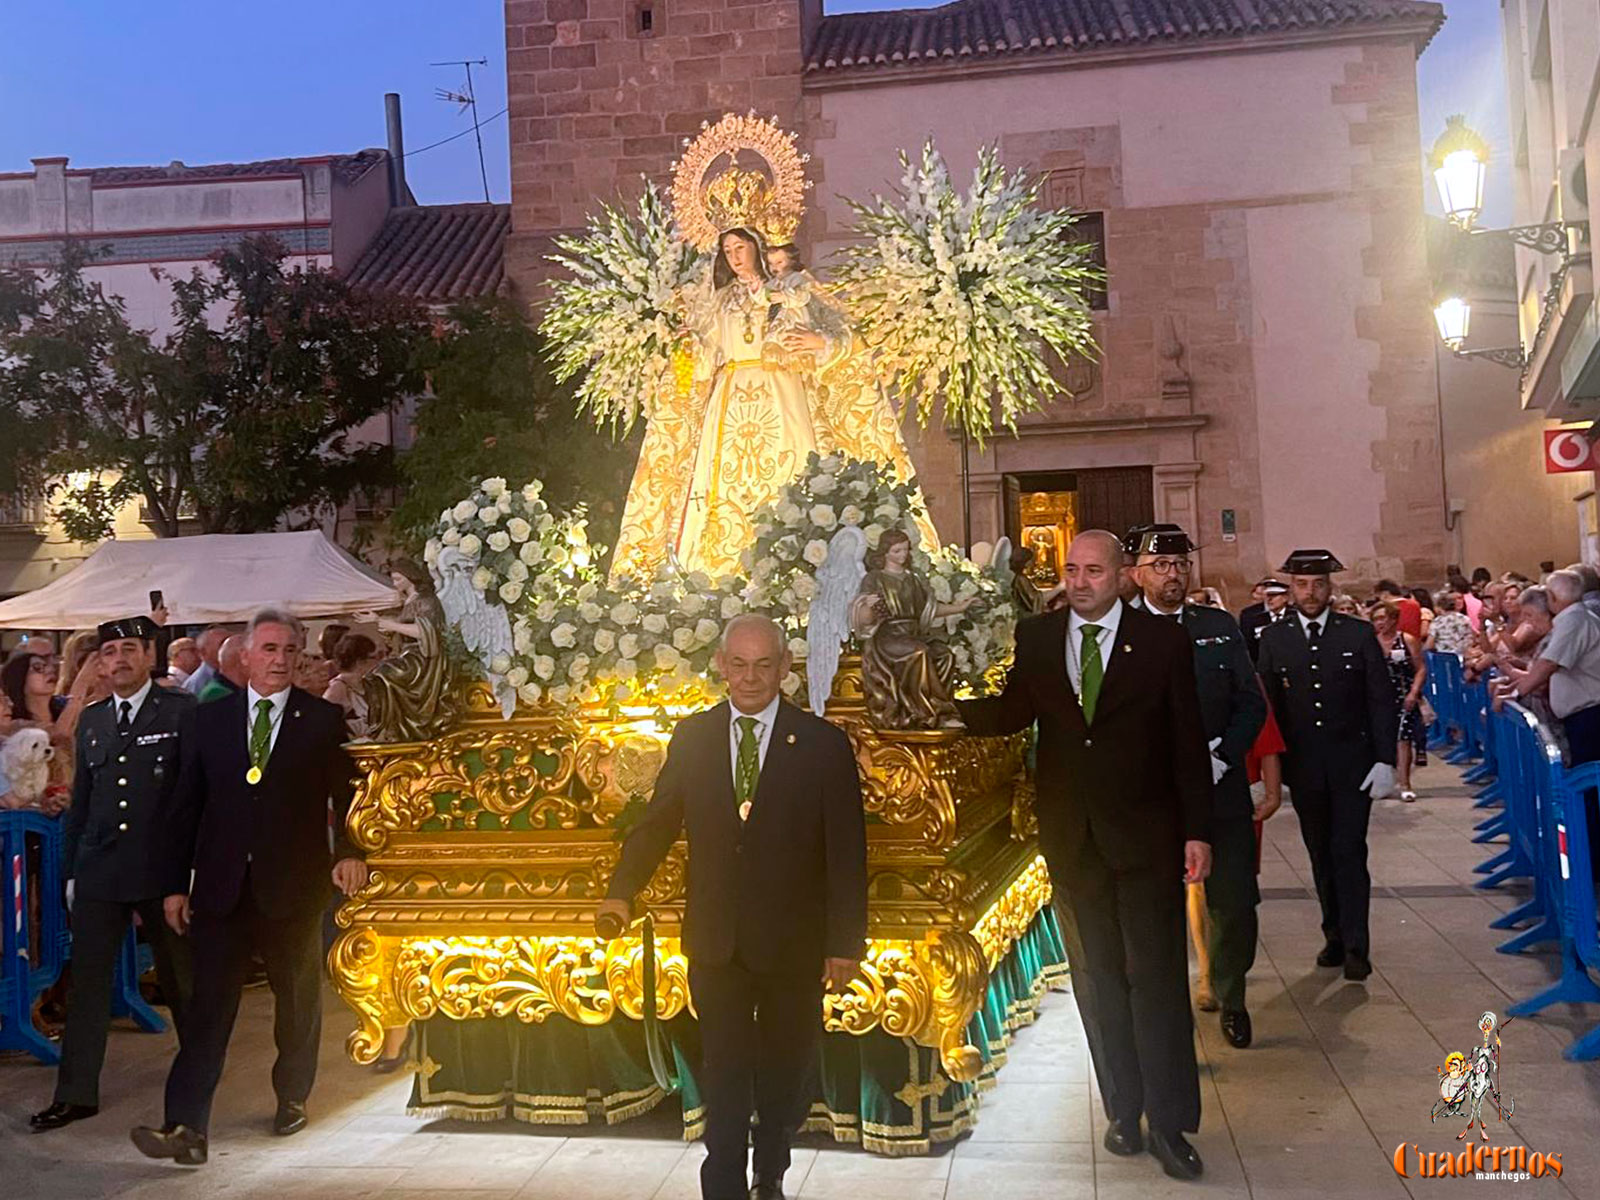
(253, 776)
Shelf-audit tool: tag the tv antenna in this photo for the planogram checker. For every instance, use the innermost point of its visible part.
(467, 99)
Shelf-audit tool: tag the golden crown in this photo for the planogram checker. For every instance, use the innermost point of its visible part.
(741, 173)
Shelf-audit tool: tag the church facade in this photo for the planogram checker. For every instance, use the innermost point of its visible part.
(1249, 172)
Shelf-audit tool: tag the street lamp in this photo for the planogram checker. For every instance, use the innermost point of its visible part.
(1460, 160)
(1453, 316)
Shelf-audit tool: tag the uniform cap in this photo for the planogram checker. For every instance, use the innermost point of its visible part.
(1311, 562)
(1157, 539)
(142, 628)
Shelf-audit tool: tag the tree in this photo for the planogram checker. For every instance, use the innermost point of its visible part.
(243, 414)
(494, 408)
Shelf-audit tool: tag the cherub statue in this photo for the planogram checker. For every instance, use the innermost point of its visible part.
(407, 696)
(907, 670)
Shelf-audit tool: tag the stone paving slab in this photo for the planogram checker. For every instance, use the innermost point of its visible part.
(1339, 1075)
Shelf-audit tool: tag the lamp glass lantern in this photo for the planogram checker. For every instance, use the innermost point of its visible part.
(1460, 181)
(1453, 315)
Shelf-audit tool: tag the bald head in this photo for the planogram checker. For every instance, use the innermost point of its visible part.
(1093, 573)
(230, 661)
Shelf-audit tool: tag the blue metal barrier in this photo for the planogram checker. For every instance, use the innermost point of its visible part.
(29, 969)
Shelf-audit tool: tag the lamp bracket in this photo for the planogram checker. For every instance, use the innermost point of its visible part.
(1506, 356)
(1550, 238)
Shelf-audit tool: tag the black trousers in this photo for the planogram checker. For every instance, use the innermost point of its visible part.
(1231, 899)
(1128, 950)
(291, 948)
(758, 1038)
(99, 928)
(1333, 825)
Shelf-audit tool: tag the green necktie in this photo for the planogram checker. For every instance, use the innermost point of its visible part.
(261, 735)
(744, 779)
(1093, 671)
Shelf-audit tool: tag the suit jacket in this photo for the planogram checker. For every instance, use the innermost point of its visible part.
(1232, 705)
(1336, 708)
(1253, 618)
(122, 796)
(1137, 783)
(276, 830)
(782, 890)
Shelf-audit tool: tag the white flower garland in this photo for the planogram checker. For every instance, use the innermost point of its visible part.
(618, 316)
(960, 295)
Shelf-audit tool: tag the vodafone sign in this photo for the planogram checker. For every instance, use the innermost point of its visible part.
(1567, 450)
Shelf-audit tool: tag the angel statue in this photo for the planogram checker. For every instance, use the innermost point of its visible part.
(907, 669)
(407, 693)
(828, 623)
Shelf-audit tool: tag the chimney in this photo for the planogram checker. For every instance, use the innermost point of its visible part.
(397, 151)
(50, 194)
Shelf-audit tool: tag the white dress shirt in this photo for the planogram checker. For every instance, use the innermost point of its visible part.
(134, 702)
(764, 721)
(1320, 621)
(279, 702)
(1106, 638)
(196, 683)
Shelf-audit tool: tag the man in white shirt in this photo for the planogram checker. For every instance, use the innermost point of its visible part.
(209, 644)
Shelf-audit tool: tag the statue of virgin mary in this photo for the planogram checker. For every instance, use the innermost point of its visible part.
(754, 404)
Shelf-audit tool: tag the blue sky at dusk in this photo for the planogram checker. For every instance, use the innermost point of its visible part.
(109, 83)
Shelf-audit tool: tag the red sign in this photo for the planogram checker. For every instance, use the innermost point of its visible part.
(1567, 450)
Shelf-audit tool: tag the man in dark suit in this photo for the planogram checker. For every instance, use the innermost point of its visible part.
(1330, 691)
(251, 823)
(1124, 809)
(1233, 709)
(777, 906)
(1270, 597)
(128, 750)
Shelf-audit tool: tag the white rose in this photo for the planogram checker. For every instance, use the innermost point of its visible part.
(452, 537)
(790, 684)
(493, 487)
(873, 532)
(693, 605)
(732, 606)
(464, 511)
(545, 523)
(804, 586)
(530, 492)
(625, 613)
(851, 515)
(517, 676)
(522, 638)
(560, 694)
(858, 488)
(654, 623)
(628, 645)
(682, 637)
(500, 664)
(499, 540)
(706, 631)
(519, 529)
(587, 591)
(482, 578)
(578, 668)
(888, 512)
(529, 693)
(471, 545)
(626, 668)
(790, 513)
(511, 591)
(824, 516)
(489, 514)
(518, 570)
(531, 553)
(823, 485)
(544, 666)
(564, 636)
(666, 657)
(816, 552)
(798, 648)
(604, 641)
(591, 612)
(430, 552)
(546, 610)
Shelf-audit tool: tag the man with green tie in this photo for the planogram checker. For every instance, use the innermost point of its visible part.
(1124, 808)
(770, 801)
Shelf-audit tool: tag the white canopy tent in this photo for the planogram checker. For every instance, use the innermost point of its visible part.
(213, 578)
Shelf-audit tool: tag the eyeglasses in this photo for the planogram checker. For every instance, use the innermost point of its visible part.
(1167, 566)
(42, 665)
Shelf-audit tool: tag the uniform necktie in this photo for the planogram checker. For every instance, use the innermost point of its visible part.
(124, 716)
(1093, 671)
(261, 735)
(1313, 633)
(744, 779)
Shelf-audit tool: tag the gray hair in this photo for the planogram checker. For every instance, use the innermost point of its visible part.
(1445, 601)
(1565, 586)
(1536, 597)
(273, 616)
(754, 621)
(1590, 577)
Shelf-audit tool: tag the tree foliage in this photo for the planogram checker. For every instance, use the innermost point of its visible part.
(243, 414)
(494, 408)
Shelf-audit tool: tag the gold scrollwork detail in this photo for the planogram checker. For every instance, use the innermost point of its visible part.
(361, 972)
(624, 971)
(616, 766)
(529, 978)
(1008, 918)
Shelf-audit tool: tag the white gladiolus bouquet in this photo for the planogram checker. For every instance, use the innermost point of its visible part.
(617, 317)
(961, 295)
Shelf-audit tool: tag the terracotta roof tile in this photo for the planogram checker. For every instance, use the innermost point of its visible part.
(438, 253)
(348, 168)
(991, 30)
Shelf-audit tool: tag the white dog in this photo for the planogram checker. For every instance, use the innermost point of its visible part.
(25, 761)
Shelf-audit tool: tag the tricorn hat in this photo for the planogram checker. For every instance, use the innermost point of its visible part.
(1157, 539)
(1311, 562)
(142, 628)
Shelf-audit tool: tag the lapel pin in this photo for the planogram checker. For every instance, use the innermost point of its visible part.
(297, 713)
(790, 739)
(1127, 649)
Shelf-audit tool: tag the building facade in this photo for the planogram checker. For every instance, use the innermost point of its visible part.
(1267, 373)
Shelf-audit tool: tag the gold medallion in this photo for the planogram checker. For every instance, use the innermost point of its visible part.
(253, 776)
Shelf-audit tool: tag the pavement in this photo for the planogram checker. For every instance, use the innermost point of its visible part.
(1340, 1074)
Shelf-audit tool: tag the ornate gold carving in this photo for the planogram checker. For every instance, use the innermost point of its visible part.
(361, 971)
(741, 172)
(525, 977)
(1008, 918)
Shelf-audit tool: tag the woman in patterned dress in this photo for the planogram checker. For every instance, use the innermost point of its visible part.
(1408, 671)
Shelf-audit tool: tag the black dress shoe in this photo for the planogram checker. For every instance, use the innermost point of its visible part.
(1357, 966)
(767, 1190)
(59, 1114)
(1236, 1028)
(182, 1145)
(290, 1117)
(1123, 1138)
(1176, 1156)
(1331, 955)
